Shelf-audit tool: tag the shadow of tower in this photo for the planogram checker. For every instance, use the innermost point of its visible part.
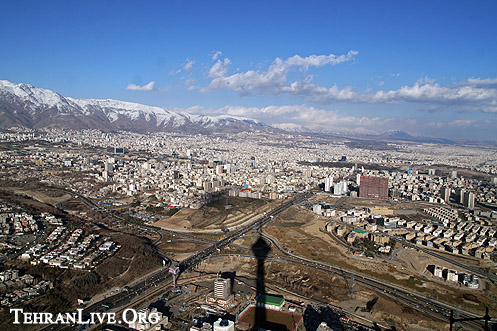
(261, 250)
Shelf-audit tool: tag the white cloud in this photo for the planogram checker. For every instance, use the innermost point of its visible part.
(464, 123)
(274, 78)
(301, 118)
(464, 97)
(318, 60)
(478, 82)
(220, 68)
(190, 84)
(216, 55)
(189, 65)
(147, 87)
(432, 92)
(475, 94)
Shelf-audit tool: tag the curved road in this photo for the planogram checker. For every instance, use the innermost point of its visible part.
(430, 306)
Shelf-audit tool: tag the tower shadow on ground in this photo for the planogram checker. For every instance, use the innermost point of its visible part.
(261, 250)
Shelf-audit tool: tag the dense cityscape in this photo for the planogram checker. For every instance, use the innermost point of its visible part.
(72, 202)
(248, 165)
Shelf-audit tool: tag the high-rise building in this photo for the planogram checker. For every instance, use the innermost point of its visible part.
(373, 187)
(461, 195)
(222, 288)
(252, 162)
(340, 188)
(445, 193)
(469, 200)
(328, 183)
(454, 174)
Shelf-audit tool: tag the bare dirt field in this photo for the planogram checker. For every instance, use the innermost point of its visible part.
(74, 205)
(42, 196)
(298, 231)
(323, 198)
(181, 246)
(285, 320)
(216, 215)
(328, 288)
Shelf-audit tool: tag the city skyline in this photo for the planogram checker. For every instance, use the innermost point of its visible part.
(424, 68)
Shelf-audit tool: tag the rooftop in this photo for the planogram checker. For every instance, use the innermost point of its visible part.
(271, 300)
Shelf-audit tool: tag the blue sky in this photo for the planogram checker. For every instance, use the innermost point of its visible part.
(425, 67)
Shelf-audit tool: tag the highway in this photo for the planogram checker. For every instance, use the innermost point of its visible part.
(462, 265)
(123, 298)
(257, 224)
(427, 305)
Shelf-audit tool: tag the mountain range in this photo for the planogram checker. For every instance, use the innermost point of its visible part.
(24, 105)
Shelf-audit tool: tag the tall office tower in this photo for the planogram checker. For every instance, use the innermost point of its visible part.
(252, 162)
(340, 188)
(108, 166)
(328, 183)
(358, 179)
(453, 175)
(373, 187)
(460, 195)
(445, 193)
(222, 288)
(469, 200)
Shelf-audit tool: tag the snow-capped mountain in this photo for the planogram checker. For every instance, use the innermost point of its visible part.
(32, 107)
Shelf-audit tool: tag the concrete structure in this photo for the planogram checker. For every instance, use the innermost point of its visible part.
(438, 272)
(373, 187)
(328, 183)
(445, 193)
(223, 325)
(341, 230)
(452, 275)
(469, 200)
(270, 301)
(222, 288)
(340, 188)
